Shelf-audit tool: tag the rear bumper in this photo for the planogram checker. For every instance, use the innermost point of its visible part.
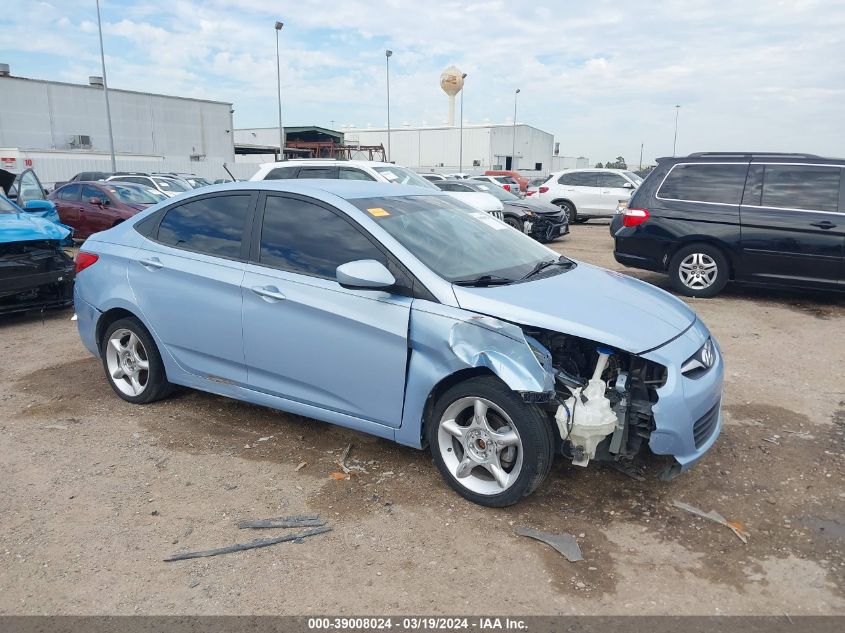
(687, 415)
(86, 322)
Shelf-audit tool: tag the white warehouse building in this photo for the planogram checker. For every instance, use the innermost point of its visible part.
(61, 129)
(487, 146)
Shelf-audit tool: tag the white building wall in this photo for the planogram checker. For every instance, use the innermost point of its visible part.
(438, 148)
(44, 115)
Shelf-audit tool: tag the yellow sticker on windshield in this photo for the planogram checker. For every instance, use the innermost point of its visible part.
(378, 212)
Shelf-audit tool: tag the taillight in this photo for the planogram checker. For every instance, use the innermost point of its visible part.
(634, 217)
(506, 187)
(84, 260)
(544, 189)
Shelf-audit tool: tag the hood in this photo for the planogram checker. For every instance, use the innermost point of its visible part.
(590, 302)
(535, 206)
(22, 227)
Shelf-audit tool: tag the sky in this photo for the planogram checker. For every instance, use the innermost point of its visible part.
(603, 77)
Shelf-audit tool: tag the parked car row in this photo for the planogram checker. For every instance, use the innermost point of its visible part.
(168, 183)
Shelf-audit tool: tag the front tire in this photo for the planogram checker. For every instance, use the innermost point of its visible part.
(699, 270)
(490, 447)
(571, 212)
(132, 362)
(515, 223)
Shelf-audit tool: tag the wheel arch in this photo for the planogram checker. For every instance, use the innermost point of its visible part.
(445, 383)
(110, 316)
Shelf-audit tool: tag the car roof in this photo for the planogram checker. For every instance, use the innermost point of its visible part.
(299, 162)
(346, 189)
(753, 157)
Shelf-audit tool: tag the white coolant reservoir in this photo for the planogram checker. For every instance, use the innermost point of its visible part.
(587, 417)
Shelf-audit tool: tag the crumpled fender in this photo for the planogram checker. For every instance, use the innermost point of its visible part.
(445, 340)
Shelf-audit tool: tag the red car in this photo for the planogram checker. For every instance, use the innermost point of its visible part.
(90, 207)
(521, 180)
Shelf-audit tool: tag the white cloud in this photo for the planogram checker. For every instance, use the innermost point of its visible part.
(603, 76)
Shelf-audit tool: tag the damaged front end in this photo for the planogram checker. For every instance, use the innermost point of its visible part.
(603, 400)
(34, 274)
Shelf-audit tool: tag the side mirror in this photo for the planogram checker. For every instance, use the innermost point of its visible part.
(365, 274)
(628, 185)
(38, 205)
(96, 201)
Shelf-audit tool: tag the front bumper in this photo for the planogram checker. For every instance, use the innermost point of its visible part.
(687, 414)
(546, 227)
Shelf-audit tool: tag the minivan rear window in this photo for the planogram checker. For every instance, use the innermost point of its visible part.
(720, 183)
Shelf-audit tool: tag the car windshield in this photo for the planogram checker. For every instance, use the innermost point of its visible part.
(6, 206)
(136, 195)
(636, 179)
(402, 176)
(430, 227)
(170, 184)
(497, 191)
(196, 183)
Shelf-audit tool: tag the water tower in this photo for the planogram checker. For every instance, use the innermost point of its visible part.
(451, 80)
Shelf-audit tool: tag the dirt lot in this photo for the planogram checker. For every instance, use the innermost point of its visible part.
(97, 491)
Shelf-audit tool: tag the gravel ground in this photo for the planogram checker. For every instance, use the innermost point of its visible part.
(96, 492)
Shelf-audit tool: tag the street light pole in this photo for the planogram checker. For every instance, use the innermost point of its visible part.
(675, 142)
(461, 143)
(106, 89)
(387, 55)
(513, 148)
(641, 155)
(278, 27)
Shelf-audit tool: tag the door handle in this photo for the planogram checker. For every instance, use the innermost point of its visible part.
(825, 225)
(152, 262)
(270, 293)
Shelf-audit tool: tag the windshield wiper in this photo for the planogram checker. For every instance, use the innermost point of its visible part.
(484, 280)
(560, 261)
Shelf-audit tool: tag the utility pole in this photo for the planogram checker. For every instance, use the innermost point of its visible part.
(513, 149)
(279, 26)
(641, 156)
(387, 55)
(675, 142)
(106, 89)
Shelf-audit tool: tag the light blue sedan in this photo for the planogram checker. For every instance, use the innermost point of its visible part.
(400, 312)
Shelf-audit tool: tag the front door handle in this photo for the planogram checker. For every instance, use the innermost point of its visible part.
(270, 293)
(825, 225)
(153, 262)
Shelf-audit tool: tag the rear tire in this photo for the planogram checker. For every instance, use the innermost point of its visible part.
(491, 447)
(699, 270)
(132, 362)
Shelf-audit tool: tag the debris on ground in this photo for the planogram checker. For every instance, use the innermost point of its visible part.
(301, 466)
(340, 476)
(628, 469)
(265, 439)
(772, 440)
(736, 527)
(342, 461)
(563, 543)
(296, 521)
(239, 547)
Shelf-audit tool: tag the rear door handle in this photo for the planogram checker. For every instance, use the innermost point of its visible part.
(825, 225)
(153, 263)
(271, 293)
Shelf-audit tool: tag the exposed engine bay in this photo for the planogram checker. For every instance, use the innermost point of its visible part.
(603, 399)
(34, 274)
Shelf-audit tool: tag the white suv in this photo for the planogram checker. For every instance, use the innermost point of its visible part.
(369, 170)
(589, 193)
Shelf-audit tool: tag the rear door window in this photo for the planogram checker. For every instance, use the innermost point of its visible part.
(611, 181)
(282, 173)
(329, 171)
(719, 183)
(212, 226)
(89, 191)
(580, 179)
(305, 238)
(807, 187)
(69, 193)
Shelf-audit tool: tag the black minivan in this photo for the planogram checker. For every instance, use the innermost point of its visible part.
(759, 218)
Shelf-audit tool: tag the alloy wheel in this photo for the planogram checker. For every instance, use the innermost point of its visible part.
(480, 445)
(127, 362)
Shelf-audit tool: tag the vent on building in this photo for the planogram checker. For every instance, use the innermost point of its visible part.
(197, 157)
(80, 141)
(4, 70)
(96, 81)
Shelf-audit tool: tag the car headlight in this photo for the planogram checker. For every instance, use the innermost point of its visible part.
(701, 361)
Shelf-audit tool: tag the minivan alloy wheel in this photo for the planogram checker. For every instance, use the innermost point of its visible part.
(698, 271)
(480, 445)
(127, 362)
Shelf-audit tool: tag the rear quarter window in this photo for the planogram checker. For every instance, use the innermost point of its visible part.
(282, 173)
(715, 183)
(212, 226)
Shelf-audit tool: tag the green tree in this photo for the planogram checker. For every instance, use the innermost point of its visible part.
(599, 166)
